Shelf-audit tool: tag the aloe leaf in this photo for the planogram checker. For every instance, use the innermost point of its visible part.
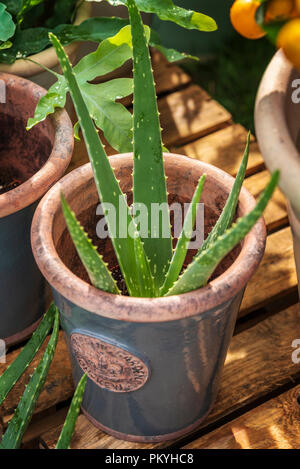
(149, 181)
(108, 188)
(13, 436)
(203, 265)
(66, 435)
(166, 10)
(183, 240)
(94, 264)
(145, 278)
(7, 26)
(229, 210)
(13, 373)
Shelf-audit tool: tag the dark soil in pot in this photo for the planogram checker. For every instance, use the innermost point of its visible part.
(89, 220)
(22, 152)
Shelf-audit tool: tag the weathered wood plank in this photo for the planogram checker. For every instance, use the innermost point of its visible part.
(58, 387)
(276, 275)
(276, 212)
(189, 114)
(273, 425)
(258, 362)
(224, 149)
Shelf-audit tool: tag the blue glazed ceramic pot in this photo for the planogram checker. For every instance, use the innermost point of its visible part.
(30, 163)
(153, 365)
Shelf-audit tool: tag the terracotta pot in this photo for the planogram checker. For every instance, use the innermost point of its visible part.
(277, 122)
(47, 57)
(37, 159)
(154, 365)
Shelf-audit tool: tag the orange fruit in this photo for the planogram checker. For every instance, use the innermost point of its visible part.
(289, 40)
(279, 10)
(242, 15)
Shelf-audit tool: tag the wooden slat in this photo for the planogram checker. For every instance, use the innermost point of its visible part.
(58, 387)
(276, 275)
(276, 212)
(224, 149)
(189, 114)
(273, 425)
(258, 362)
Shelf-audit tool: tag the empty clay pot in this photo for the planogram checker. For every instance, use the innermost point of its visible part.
(154, 365)
(33, 161)
(277, 122)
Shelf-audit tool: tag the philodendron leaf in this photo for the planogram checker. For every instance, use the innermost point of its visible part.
(203, 265)
(66, 435)
(183, 240)
(7, 26)
(16, 428)
(229, 210)
(166, 10)
(149, 181)
(94, 264)
(120, 222)
(111, 117)
(11, 375)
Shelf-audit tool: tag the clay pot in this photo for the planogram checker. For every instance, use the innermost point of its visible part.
(36, 159)
(277, 122)
(47, 57)
(154, 365)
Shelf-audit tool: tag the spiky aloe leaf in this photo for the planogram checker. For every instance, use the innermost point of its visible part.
(111, 117)
(166, 10)
(149, 182)
(229, 210)
(66, 435)
(13, 373)
(199, 271)
(13, 436)
(183, 240)
(94, 264)
(108, 188)
(145, 278)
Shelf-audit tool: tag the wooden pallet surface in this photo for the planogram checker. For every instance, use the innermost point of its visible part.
(259, 382)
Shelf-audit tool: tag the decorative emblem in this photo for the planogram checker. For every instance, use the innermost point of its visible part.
(110, 367)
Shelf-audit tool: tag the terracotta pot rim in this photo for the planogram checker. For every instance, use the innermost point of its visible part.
(48, 56)
(131, 309)
(36, 186)
(275, 142)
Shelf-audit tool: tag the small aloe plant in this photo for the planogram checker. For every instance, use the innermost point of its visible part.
(150, 266)
(17, 426)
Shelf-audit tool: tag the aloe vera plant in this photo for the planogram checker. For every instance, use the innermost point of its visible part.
(13, 436)
(149, 265)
